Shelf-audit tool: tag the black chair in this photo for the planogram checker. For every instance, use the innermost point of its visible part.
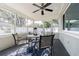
(46, 42)
(18, 39)
(45, 46)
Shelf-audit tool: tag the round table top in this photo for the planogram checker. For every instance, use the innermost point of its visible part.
(33, 36)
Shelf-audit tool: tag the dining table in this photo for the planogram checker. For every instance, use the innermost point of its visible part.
(34, 37)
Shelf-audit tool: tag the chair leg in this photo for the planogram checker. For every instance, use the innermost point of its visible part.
(51, 51)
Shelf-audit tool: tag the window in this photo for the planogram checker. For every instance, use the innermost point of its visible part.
(6, 21)
(20, 24)
(39, 26)
(29, 24)
(10, 22)
(71, 18)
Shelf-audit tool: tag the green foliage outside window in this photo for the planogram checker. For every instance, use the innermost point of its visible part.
(47, 24)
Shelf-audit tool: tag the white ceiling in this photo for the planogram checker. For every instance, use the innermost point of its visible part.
(28, 8)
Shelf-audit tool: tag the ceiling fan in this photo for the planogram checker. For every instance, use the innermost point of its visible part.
(42, 7)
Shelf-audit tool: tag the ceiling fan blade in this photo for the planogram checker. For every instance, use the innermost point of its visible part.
(49, 10)
(42, 12)
(36, 10)
(46, 5)
(36, 5)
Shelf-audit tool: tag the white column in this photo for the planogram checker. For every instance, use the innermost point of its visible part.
(52, 27)
(33, 26)
(33, 23)
(43, 30)
(27, 24)
(15, 19)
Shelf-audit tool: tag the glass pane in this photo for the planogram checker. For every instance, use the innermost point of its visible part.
(72, 17)
(6, 21)
(20, 24)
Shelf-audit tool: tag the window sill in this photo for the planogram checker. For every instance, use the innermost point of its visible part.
(72, 33)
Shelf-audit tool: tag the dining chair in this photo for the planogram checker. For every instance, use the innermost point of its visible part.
(46, 41)
(19, 39)
(45, 46)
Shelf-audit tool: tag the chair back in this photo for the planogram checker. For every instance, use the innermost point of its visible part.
(46, 41)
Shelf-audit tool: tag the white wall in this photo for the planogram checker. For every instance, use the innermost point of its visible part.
(56, 36)
(6, 41)
(71, 42)
(69, 39)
